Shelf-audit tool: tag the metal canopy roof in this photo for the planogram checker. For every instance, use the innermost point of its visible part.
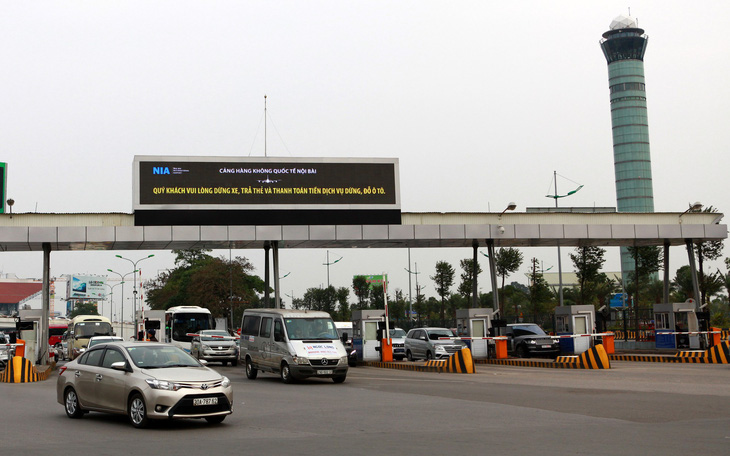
(28, 232)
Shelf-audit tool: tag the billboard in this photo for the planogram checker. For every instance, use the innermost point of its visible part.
(176, 190)
(85, 287)
(375, 280)
(237, 183)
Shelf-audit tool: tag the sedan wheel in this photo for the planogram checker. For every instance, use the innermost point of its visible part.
(73, 409)
(215, 419)
(521, 351)
(138, 412)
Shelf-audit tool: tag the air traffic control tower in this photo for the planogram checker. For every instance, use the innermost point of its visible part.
(624, 46)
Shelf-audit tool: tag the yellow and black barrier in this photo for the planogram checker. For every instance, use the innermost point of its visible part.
(595, 358)
(460, 362)
(22, 370)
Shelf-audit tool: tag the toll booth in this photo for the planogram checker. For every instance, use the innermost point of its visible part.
(475, 323)
(574, 321)
(677, 317)
(151, 322)
(365, 333)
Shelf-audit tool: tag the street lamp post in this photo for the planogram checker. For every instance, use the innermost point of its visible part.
(134, 289)
(121, 313)
(328, 267)
(111, 298)
(410, 310)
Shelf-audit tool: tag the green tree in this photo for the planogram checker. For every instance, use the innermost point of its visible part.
(540, 294)
(223, 286)
(706, 251)
(362, 290)
(444, 279)
(467, 279)
(506, 262)
(84, 308)
(588, 261)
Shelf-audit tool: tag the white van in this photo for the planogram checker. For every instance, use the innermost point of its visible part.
(296, 344)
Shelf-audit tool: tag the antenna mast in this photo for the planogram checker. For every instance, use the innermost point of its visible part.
(265, 126)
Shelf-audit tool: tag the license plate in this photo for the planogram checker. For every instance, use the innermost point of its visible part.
(205, 401)
(325, 372)
(546, 346)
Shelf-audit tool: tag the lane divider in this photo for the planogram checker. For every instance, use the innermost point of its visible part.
(594, 358)
(718, 354)
(22, 370)
(460, 362)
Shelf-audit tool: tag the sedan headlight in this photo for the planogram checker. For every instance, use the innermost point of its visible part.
(226, 382)
(162, 384)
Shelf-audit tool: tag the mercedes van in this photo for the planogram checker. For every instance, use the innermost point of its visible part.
(295, 344)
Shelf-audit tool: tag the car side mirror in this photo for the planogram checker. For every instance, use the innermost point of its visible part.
(203, 362)
(121, 366)
(344, 338)
(423, 338)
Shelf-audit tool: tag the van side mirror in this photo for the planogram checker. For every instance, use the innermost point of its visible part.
(344, 338)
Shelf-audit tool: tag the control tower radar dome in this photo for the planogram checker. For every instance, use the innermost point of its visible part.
(623, 22)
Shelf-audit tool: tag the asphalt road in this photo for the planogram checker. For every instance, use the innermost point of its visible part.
(633, 408)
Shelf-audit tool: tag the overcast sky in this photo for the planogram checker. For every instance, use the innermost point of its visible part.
(480, 101)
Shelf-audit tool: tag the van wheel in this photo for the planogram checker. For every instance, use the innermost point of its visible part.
(286, 376)
(429, 356)
(339, 378)
(234, 363)
(251, 372)
(409, 355)
(225, 363)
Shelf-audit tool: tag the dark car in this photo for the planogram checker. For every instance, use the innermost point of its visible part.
(529, 340)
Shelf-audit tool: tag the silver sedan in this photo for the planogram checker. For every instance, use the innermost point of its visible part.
(145, 381)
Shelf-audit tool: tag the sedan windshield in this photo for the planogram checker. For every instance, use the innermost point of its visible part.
(397, 333)
(528, 330)
(311, 328)
(435, 334)
(160, 356)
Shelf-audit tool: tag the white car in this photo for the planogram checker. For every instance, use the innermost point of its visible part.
(102, 340)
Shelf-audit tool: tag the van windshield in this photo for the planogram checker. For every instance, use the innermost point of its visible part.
(88, 329)
(310, 328)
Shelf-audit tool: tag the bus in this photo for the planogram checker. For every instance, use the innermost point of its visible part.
(81, 329)
(183, 320)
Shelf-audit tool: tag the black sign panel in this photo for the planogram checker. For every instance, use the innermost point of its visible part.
(261, 183)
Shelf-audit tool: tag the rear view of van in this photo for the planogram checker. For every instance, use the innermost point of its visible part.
(295, 344)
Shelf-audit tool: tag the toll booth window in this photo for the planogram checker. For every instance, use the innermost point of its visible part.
(662, 321)
(478, 328)
(250, 325)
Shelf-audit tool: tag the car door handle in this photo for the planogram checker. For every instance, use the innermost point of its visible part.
(99, 377)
